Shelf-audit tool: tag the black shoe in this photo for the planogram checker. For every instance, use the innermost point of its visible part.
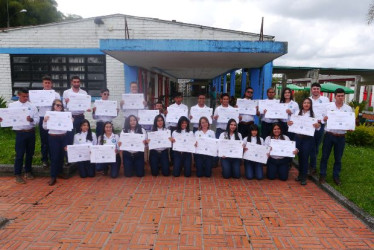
(312, 171)
(337, 181)
(303, 181)
(45, 165)
(322, 179)
(52, 181)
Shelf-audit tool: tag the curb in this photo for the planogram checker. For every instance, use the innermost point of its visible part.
(67, 171)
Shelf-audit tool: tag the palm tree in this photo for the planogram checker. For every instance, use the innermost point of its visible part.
(370, 15)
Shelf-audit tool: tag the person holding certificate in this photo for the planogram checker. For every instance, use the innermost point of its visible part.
(231, 166)
(304, 143)
(204, 163)
(86, 136)
(277, 165)
(200, 105)
(57, 144)
(220, 127)
(134, 89)
(334, 138)
(267, 123)
(133, 161)
(317, 100)
(25, 137)
(182, 158)
(253, 169)
(101, 119)
(109, 138)
(44, 147)
(293, 108)
(159, 156)
(246, 120)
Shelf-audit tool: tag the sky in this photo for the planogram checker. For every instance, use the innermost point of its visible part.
(320, 33)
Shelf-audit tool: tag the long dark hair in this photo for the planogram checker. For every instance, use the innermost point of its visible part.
(311, 107)
(179, 125)
(53, 105)
(228, 129)
(89, 131)
(253, 127)
(272, 133)
(154, 127)
(127, 127)
(203, 118)
(282, 100)
(101, 142)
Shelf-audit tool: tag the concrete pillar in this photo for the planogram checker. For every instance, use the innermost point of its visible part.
(131, 75)
(244, 81)
(225, 83)
(232, 83)
(255, 83)
(266, 77)
(357, 89)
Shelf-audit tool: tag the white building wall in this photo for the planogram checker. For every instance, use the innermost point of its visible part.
(5, 77)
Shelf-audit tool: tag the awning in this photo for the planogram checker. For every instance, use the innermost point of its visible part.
(331, 87)
(292, 87)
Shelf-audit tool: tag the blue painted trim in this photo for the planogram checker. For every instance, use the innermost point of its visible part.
(225, 83)
(232, 83)
(131, 75)
(255, 83)
(184, 45)
(267, 74)
(244, 81)
(55, 51)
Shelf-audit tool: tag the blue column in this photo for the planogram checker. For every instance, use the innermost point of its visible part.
(244, 81)
(131, 75)
(232, 83)
(225, 83)
(267, 77)
(219, 80)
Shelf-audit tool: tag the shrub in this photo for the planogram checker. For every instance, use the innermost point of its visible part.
(360, 105)
(300, 96)
(362, 136)
(2, 102)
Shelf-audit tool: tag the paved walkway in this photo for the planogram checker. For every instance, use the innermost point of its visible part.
(175, 213)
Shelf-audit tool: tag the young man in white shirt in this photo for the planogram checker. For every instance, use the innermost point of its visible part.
(200, 104)
(267, 123)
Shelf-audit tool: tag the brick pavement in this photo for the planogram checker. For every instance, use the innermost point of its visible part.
(175, 213)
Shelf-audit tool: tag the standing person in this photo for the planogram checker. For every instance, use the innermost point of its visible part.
(231, 166)
(57, 144)
(246, 120)
(200, 105)
(134, 89)
(267, 123)
(213, 98)
(304, 142)
(44, 148)
(293, 108)
(86, 136)
(25, 137)
(133, 161)
(253, 169)
(317, 99)
(204, 163)
(100, 120)
(159, 156)
(182, 158)
(277, 165)
(220, 126)
(334, 138)
(160, 107)
(110, 138)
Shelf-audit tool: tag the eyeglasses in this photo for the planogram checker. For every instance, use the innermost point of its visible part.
(58, 105)
(251, 92)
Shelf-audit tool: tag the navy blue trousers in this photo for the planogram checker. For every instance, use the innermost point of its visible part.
(133, 162)
(253, 169)
(305, 145)
(86, 169)
(99, 129)
(156, 159)
(204, 164)
(230, 167)
(266, 129)
(25, 144)
(330, 141)
(278, 168)
(315, 150)
(56, 145)
(114, 167)
(44, 148)
(182, 159)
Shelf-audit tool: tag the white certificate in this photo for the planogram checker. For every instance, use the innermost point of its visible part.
(147, 117)
(79, 152)
(319, 110)
(184, 142)
(197, 113)
(230, 148)
(302, 125)
(225, 114)
(282, 148)
(256, 153)
(159, 139)
(42, 98)
(132, 142)
(277, 111)
(59, 120)
(106, 108)
(175, 113)
(133, 101)
(103, 153)
(14, 117)
(247, 107)
(341, 120)
(79, 102)
(266, 104)
(207, 146)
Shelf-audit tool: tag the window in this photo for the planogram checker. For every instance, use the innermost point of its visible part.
(28, 70)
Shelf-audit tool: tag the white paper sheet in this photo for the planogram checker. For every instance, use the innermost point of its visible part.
(147, 117)
(79, 152)
(133, 101)
(79, 102)
(106, 108)
(159, 139)
(224, 115)
(59, 120)
(256, 153)
(341, 120)
(103, 153)
(175, 113)
(132, 142)
(302, 125)
(230, 148)
(247, 107)
(14, 117)
(184, 142)
(282, 148)
(197, 113)
(207, 146)
(42, 98)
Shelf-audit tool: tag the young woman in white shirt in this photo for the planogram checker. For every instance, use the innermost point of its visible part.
(293, 108)
(109, 138)
(253, 169)
(86, 136)
(204, 163)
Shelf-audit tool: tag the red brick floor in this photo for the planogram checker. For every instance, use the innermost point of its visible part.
(175, 213)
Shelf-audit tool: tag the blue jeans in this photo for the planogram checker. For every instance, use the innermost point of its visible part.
(182, 159)
(44, 148)
(305, 145)
(159, 158)
(315, 150)
(338, 142)
(230, 167)
(133, 162)
(204, 165)
(278, 167)
(266, 129)
(86, 169)
(56, 146)
(114, 167)
(253, 169)
(25, 144)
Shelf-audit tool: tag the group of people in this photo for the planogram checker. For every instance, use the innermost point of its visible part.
(54, 142)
